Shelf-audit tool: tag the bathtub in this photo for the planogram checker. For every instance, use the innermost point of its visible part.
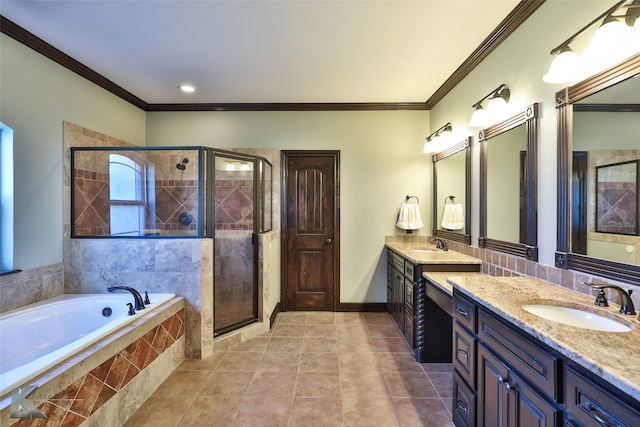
(39, 336)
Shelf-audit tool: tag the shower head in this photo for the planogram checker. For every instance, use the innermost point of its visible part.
(182, 164)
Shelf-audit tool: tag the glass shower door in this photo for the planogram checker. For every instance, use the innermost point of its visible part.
(235, 275)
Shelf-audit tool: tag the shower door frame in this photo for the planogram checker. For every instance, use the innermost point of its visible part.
(210, 227)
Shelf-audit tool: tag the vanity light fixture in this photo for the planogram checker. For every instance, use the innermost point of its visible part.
(244, 166)
(496, 109)
(438, 140)
(230, 166)
(187, 88)
(612, 42)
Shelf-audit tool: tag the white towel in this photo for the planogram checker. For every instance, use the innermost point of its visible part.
(409, 218)
(453, 217)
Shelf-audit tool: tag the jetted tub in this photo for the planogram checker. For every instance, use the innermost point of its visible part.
(39, 336)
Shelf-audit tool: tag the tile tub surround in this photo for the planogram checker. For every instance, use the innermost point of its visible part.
(29, 286)
(105, 384)
(613, 356)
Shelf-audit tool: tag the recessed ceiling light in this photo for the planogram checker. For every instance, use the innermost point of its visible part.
(187, 88)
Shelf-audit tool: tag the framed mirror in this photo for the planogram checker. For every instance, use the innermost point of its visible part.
(598, 157)
(508, 170)
(451, 206)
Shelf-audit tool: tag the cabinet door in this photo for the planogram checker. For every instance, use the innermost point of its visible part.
(528, 408)
(398, 299)
(492, 397)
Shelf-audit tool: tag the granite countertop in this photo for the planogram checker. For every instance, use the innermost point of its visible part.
(614, 356)
(440, 278)
(434, 256)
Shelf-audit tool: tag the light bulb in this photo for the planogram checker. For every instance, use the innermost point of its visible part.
(566, 67)
(610, 44)
(479, 118)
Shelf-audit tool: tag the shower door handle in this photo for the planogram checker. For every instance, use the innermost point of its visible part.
(328, 241)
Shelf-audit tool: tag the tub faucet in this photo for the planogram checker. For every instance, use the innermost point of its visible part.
(440, 244)
(136, 295)
(626, 305)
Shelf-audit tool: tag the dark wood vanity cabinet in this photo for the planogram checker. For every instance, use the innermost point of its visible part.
(420, 309)
(511, 380)
(591, 402)
(505, 377)
(402, 295)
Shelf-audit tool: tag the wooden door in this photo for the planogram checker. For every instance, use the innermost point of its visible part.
(310, 231)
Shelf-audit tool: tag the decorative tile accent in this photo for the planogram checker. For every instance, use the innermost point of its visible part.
(72, 405)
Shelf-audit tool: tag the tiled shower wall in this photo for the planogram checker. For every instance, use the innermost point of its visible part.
(29, 286)
(234, 200)
(174, 191)
(180, 266)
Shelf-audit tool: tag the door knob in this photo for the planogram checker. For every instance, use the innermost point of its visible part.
(329, 240)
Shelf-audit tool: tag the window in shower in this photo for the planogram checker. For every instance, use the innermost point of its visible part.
(127, 195)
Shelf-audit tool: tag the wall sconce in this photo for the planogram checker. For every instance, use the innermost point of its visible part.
(438, 140)
(244, 166)
(496, 109)
(230, 166)
(612, 42)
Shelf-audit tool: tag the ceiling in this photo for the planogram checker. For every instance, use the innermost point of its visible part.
(267, 51)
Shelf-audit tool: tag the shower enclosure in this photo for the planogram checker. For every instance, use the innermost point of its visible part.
(181, 192)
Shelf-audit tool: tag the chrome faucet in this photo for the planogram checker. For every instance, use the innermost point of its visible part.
(440, 244)
(136, 295)
(626, 305)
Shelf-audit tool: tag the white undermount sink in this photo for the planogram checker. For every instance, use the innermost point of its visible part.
(576, 317)
(423, 250)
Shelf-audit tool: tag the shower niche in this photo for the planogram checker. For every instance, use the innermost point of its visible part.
(177, 193)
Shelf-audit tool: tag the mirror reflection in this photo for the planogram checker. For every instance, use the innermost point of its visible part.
(508, 159)
(604, 180)
(451, 194)
(506, 187)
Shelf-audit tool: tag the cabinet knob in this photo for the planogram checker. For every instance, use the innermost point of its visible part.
(329, 240)
(500, 379)
(508, 386)
(462, 354)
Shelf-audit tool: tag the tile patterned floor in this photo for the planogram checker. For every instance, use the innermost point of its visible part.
(311, 369)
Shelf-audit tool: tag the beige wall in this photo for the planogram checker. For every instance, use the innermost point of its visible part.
(520, 62)
(36, 96)
(380, 163)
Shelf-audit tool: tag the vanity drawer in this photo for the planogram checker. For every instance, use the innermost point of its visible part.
(464, 311)
(464, 354)
(409, 270)
(397, 261)
(540, 365)
(589, 404)
(464, 403)
(408, 329)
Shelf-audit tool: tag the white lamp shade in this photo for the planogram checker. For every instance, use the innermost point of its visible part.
(230, 166)
(497, 109)
(610, 44)
(479, 118)
(566, 67)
